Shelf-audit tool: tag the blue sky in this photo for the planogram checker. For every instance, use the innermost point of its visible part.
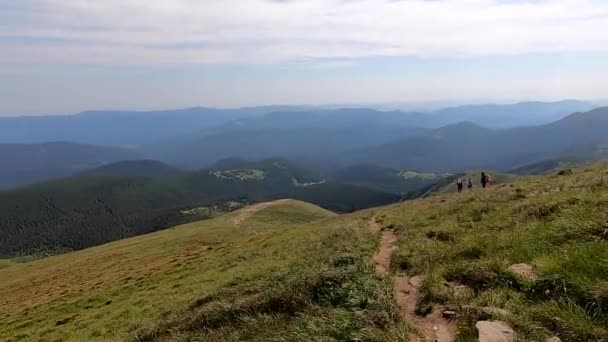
(63, 56)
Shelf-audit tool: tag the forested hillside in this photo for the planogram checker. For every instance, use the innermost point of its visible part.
(88, 210)
(386, 179)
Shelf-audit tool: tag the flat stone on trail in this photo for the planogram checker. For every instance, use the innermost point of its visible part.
(416, 281)
(554, 339)
(523, 270)
(494, 331)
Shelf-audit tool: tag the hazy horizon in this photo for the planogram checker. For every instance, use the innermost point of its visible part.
(413, 106)
(65, 56)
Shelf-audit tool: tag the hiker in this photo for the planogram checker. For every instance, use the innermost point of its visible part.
(460, 184)
(484, 180)
(489, 178)
(470, 183)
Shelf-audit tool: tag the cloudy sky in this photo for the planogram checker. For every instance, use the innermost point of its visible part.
(61, 56)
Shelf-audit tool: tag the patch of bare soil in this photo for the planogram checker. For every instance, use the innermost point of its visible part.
(433, 327)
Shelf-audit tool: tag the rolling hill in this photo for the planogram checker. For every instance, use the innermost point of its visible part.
(266, 271)
(88, 210)
(528, 256)
(22, 164)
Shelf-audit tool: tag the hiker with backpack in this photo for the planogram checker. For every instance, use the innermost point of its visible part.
(460, 184)
(485, 179)
(470, 184)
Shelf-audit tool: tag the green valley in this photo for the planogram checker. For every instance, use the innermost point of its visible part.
(105, 205)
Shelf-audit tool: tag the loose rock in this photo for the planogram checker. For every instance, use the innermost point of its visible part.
(494, 331)
(416, 281)
(523, 270)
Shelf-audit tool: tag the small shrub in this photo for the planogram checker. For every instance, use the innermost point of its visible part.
(519, 194)
(401, 261)
(441, 236)
(471, 253)
(478, 214)
(432, 291)
(344, 260)
(480, 277)
(543, 211)
(554, 287)
(598, 303)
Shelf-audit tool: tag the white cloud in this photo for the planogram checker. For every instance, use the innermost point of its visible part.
(151, 32)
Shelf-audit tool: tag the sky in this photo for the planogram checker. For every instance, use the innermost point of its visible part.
(65, 56)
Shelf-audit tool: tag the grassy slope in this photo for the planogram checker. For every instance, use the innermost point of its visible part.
(291, 272)
(558, 224)
(497, 179)
(289, 269)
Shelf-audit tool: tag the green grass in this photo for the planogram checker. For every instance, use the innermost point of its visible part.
(296, 272)
(558, 224)
(290, 270)
(5, 263)
(497, 179)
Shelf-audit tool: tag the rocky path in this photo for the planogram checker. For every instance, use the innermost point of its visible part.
(431, 328)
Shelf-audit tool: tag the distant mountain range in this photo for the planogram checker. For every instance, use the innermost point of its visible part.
(316, 137)
(122, 128)
(329, 139)
(466, 145)
(22, 164)
(343, 163)
(504, 116)
(139, 128)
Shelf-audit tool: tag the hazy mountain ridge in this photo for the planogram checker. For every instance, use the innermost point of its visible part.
(467, 146)
(329, 138)
(22, 164)
(308, 137)
(122, 128)
(133, 168)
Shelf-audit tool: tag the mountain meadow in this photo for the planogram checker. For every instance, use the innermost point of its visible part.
(530, 254)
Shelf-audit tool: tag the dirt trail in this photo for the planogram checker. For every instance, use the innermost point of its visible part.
(243, 214)
(433, 327)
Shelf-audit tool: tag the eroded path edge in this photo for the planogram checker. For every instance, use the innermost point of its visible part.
(433, 327)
